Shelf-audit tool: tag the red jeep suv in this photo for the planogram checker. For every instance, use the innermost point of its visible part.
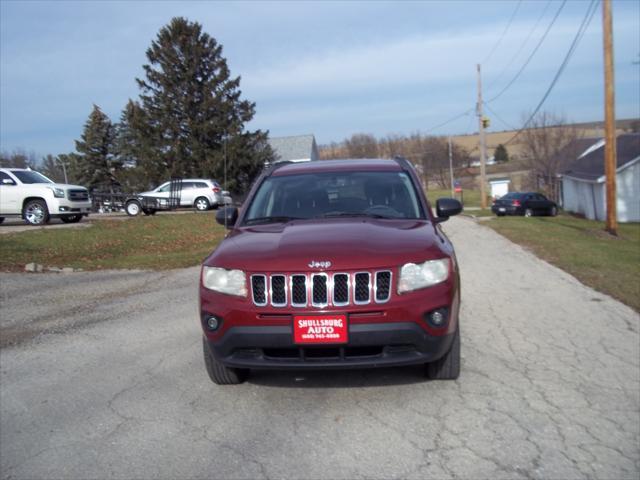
(332, 264)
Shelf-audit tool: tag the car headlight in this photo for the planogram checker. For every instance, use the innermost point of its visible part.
(414, 276)
(57, 192)
(231, 282)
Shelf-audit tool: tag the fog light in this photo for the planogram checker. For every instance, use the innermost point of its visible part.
(213, 322)
(438, 318)
(63, 209)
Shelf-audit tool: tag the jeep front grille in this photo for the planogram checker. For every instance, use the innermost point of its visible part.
(321, 290)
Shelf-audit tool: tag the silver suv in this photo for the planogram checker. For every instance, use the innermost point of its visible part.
(196, 192)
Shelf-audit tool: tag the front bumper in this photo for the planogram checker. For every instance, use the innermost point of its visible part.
(370, 345)
(62, 206)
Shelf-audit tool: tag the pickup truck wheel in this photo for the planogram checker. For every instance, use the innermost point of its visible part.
(201, 204)
(71, 218)
(35, 212)
(133, 208)
(528, 212)
(218, 373)
(554, 211)
(447, 367)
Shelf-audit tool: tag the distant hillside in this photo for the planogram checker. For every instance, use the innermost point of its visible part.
(363, 145)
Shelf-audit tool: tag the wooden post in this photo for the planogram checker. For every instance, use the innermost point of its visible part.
(483, 146)
(609, 120)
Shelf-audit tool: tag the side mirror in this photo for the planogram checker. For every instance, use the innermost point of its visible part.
(227, 216)
(8, 181)
(447, 207)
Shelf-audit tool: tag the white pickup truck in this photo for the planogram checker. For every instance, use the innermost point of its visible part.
(28, 194)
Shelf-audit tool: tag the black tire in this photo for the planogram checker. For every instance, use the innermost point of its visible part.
(1, 219)
(528, 212)
(500, 214)
(447, 367)
(35, 212)
(71, 218)
(202, 204)
(218, 373)
(553, 211)
(133, 208)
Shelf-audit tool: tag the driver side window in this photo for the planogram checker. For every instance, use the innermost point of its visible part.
(164, 188)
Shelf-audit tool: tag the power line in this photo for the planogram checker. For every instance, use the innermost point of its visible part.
(505, 123)
(522, 45)
(450, 120)
(504, 32)
(591, 10)
(535, 50)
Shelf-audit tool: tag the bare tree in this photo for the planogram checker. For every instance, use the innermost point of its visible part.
(362, 145)
(18, 159)
(548, 147)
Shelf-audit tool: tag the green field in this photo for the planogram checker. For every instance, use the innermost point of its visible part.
(581, 247)
(471, 198)
(159, 242)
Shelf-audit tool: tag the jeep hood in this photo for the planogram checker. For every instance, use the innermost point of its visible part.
(347, 243)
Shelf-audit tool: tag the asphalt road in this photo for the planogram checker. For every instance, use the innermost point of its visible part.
(550, 386)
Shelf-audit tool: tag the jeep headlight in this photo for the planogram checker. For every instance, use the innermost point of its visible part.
(231, 282)
(414, 276)
(57, 192)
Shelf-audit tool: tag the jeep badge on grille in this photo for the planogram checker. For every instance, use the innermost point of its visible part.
(316, 264)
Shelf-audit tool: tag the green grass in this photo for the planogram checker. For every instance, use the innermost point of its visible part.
(581, 247)
(159, 242)
(471, 197)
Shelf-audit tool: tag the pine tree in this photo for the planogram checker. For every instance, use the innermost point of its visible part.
(190, 108)
(500, 154)
(97, 166)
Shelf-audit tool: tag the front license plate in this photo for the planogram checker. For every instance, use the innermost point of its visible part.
(320, 329)
(502, 209)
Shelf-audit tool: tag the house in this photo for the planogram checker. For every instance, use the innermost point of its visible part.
(298, 148)
(583, 183)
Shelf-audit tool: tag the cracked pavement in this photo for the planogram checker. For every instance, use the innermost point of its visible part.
(108, 382)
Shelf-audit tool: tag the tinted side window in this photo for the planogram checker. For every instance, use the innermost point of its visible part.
(201, 185)
(187, 185)
(4, 176)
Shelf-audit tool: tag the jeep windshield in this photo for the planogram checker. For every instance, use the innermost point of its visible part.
(29, 176)
(284, 198)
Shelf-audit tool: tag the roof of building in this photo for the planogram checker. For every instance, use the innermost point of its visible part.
(292, 149)
(589, 164)
(344, 165)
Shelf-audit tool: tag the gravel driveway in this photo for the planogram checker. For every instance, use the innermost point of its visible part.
(550, 386)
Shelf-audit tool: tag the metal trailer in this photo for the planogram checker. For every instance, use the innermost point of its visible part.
(148, 205)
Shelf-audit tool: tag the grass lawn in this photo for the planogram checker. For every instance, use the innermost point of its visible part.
(471, 197)
(581, 247)
(159, 242)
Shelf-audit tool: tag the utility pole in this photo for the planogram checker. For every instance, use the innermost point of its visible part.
(483, 146)
(609, 120)
(451, 165)
(64, 170)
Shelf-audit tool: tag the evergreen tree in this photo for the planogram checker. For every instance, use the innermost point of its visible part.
(97, 166)
(52, 169)
(500, 154)
(190, 107)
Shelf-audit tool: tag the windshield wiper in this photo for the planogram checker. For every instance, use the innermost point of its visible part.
(353, 214)
(275, 219)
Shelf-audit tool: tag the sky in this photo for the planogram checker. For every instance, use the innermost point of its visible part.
(330, 68)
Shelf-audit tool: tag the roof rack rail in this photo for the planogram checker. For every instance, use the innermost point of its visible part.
(275, 166)
(403, 162)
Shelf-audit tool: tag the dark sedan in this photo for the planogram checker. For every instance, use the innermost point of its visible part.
(524, 203)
